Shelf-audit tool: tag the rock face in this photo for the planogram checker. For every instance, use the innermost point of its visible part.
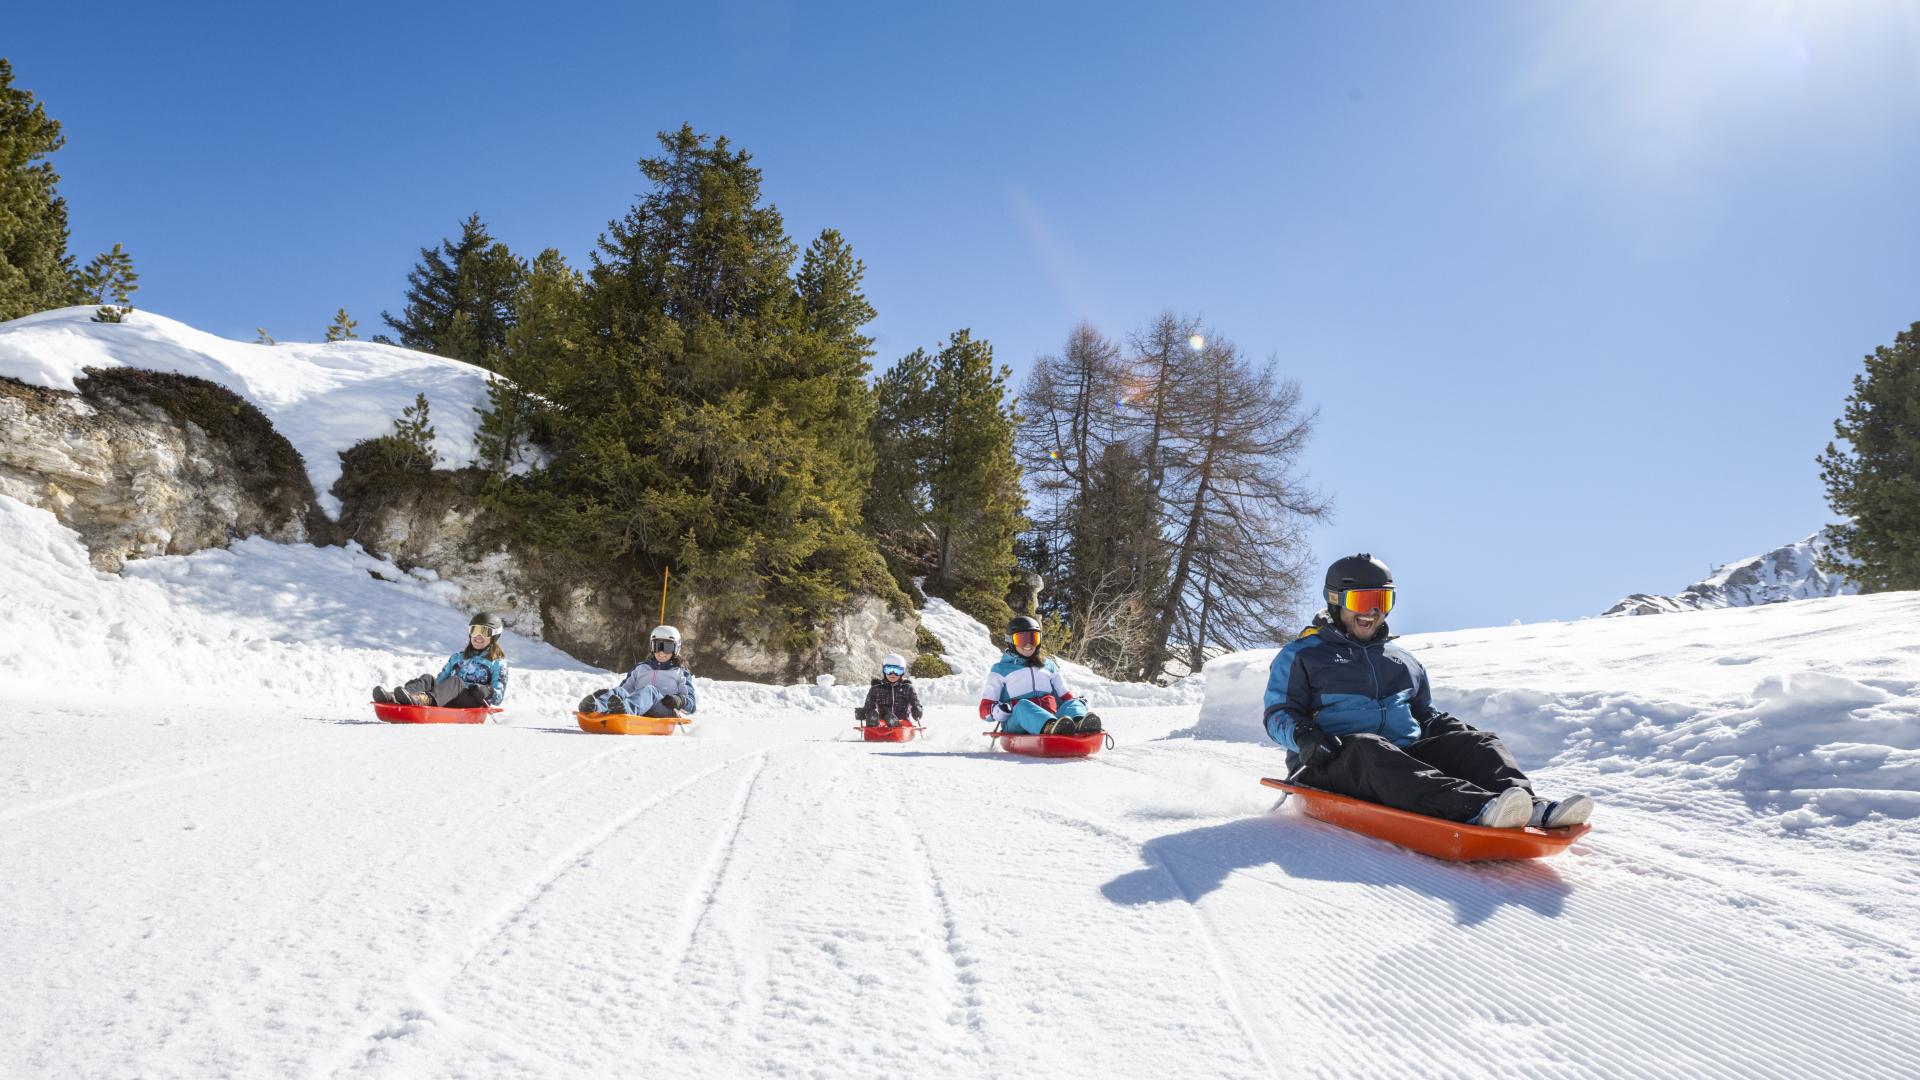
(1785, 573)
(140, 464)
(434, 522)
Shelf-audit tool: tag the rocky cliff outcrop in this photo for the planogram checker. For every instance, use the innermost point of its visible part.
(436, 521)
(142, 463)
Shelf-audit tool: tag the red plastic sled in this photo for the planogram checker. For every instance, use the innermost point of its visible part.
(1438, 837)
(883, 733)
(431, 714)
(1014, 742)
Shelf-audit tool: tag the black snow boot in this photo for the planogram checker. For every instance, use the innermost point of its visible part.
(380, 696)
(1090, 724)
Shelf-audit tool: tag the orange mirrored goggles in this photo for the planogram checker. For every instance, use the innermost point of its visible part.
(1361, 601)
(1023, 639)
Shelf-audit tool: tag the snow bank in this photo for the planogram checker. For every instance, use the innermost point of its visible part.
(1808, 711)
(257, 621)
(323, 397)
(970, 649)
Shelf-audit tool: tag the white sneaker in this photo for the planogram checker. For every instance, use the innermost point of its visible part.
(1572, 810)
(1508, 810)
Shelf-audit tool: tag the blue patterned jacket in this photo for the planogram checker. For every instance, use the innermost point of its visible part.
(476, 670)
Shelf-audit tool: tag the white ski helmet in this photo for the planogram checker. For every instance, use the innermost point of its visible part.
(893, 664)
(667, 634)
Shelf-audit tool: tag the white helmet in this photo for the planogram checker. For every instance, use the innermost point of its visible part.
(893, 662)
(667, 634)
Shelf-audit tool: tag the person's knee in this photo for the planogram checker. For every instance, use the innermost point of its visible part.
(1367, 744)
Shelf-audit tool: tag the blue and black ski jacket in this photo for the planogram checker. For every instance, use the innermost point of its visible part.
(475, 669)
(1348, 687)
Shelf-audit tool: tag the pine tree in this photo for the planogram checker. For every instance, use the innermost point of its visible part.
(262, 337)
(413, 437)
(945, 500)
(973, 481)
(713, 424)
(460, 296)
(1875, 483)
(550, 333)
(36, 271)
(109, 280)
(342, 328)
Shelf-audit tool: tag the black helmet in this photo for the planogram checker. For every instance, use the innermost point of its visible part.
(1361, 571)
(495, 624)
(1022, 624)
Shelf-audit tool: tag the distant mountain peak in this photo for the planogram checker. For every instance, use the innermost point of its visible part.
(1785, 573)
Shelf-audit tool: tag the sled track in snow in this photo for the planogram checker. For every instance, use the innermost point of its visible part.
(1790, 1013)
(702, 898)
(961, 984)
(428, 983)
(301, 757)
(1227, 988)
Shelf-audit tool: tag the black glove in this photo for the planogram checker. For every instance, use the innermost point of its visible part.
(860, 714)
(1317, 747)
(671, 701)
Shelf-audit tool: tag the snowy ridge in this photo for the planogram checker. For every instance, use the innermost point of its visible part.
(1785, 573)
(217, 864)
(1809, 713)
(323, 398)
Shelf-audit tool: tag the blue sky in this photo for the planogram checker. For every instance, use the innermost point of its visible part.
(1578, 289)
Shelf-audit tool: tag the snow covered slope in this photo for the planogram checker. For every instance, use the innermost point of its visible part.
(324, 398)
(216, 864)
(1785, 573)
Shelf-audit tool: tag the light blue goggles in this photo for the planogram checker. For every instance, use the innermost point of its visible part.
(893, 669)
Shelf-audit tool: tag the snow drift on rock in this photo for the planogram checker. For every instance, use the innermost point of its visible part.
(323, 398)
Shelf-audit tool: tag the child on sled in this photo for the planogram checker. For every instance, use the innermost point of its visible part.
(473, 678)
(891, 699)
(1025, 693)
(659, 685)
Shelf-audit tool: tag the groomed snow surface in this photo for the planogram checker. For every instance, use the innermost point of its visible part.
(217, 864)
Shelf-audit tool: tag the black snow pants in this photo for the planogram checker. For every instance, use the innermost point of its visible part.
(448, 693)
(1446, 776)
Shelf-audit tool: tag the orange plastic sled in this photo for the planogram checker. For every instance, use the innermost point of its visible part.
(628, 724)
(1014, 742)
(431, 714)
(883, 733)
(1433, 836)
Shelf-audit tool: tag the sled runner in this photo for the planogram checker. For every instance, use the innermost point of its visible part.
(1438, 837)
(431, 714)
(628, 724)
(883, 733)
(1014, 742)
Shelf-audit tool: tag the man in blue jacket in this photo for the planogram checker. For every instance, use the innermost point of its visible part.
(1356, 713)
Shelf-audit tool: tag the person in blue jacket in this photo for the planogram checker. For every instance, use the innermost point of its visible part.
(472, 678)
(659, 685)
(1356, 714)
(1024, 692)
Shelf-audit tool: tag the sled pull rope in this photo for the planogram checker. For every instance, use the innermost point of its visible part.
(1292, 778)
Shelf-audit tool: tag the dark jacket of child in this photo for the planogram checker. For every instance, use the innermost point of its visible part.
(890, 701)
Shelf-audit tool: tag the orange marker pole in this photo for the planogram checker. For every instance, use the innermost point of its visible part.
(665, 575)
